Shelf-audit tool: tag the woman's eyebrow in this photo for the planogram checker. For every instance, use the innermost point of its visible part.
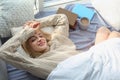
(32, 37)
(40, 34)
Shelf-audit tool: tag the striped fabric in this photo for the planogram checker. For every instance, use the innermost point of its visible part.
(17, 74)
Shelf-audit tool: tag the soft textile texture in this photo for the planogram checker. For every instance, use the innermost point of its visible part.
(101, 62)
(14, 13)
(109, 10)
(8, 71)
(61, 48)
(3, 70)
(15, 30)
(18, 74)
(82, 39)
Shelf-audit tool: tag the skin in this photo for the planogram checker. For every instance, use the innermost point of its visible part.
(38, 42)
(104, 33)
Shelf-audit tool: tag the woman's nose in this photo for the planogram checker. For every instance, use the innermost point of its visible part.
(39, 39)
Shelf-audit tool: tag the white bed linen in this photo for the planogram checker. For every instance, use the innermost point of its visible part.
(100, 62)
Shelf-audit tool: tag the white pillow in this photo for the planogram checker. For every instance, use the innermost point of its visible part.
(109, 10)
(15, 30)
(14, 13)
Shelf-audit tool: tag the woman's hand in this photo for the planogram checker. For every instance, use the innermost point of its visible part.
(32, 24)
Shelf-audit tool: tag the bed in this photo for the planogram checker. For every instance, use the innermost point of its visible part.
(82, 39)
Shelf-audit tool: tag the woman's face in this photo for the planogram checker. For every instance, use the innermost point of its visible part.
(38, 42)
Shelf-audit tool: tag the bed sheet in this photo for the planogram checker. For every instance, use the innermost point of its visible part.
(82, 39)
(100, 62)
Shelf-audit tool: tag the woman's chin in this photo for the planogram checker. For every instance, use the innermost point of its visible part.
(42, 48)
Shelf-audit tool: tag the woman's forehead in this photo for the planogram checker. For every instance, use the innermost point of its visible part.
(38, 32)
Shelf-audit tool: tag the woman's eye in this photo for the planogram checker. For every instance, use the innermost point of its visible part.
(41, 36)
(33, 39)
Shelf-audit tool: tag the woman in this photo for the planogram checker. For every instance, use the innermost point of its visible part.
(100, 62)
(44, 50)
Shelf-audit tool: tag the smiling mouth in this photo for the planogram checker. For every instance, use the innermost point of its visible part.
(41, 44)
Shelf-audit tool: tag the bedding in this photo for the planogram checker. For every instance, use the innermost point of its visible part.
(9, 72)
(32, 64)
(3, 70)
(82, 39)
(85, 39)
(14, 13)
(100, 62)
(109, 10)
(18, 74)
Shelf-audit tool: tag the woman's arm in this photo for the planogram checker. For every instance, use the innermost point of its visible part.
(58, 21)
(10, 47)
(9, 53)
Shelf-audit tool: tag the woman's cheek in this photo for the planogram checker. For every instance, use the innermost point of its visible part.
(33, 44)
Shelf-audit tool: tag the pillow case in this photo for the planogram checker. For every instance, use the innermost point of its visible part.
(109, 10)
(14, 13)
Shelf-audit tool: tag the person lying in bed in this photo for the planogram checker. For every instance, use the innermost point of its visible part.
(44, 50)
(100, 62)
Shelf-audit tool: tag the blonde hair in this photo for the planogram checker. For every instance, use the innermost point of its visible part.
(29, 50)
